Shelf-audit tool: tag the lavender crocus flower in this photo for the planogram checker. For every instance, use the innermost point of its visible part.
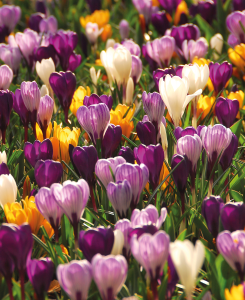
(233, 23)
(226, 111)
(6, 77)
(75, 278)
(144, 8)
(94, 120)
(95, 99)
(160, 21)
(96, 240)
(232, 216)
(124, 29)
(125, 227)
(232, 247)
(132, 47)
(63, 84)
(47, 172)
(169, 5)
(40, 273)
(109, 273)
(191, 48)
(9, 17)
(220, 74)
(211, 207)
(48, 25)
(6, 105)
(229, 153)
(44, 113)
(136, 69)
(136, 175)
(151, 62)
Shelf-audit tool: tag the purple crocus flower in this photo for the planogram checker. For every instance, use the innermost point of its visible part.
(184, 32)
(169, 5)
(64, 43)
(180, 132)
(206, 8)
(160, 21)
(6, 77)
(35, 20)
(211, 208)
(111, 140)
(9, 17)
(136, 175)
(161, 50)
(6, 105)
(132, 47)
(160, 73)
(85, 158)
(4, 169)
(37, 150)
(28, 41)
(75, 278)
(146, 132)
(120, 196)
(220, 74)
(151, 62)
(40, 273)
(232, 216)
(7, 266)
(191, 147)
(44, 113)
(74, 61)
(147, 216)
(136, 69)
(232, 247)
(47, 172)
(124, 29)
(94, 5)
(151, 251)
(233, 23)
(125, 227)
(49, 25)
(226, 111)
(96, 240)
(95, 99)
(41, 7)
(238, 5)
(140, 230)
(191, 48)
(144, 8)
(153, 157)
(229, 153)
(127, 154)
(63, 84)
(174, 278)
(45, 52)
(48, 207)
(72, 197)
(94, 120)
(109, 273)
(104, 167)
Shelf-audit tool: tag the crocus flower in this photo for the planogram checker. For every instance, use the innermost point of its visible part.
(238, 5)
(28, 41)
(235, 291)
(136, 69)
(174, 94)
(180, 132)
(189, 266)
(103, 169)
(184, 32)
(170, 5)
(6, 105)
(127, 154)
(151, 251)
(40, 273)
(229, 153)
(63, 84)
(233, 23)
(94, 5)
(191, 48)
(7, 266)
(46, 52)
(106, 58)
(48, 207)
(48, 172)
(125, 227)
(153, 157)
(111, 140)
(160, 21)
(220, 74)
(124, 29)
(3, 157)
(35, 20)
(48, 25)
(4, 170)
(206, 9)
(226, 111)
(45, 112)
(94, 120)
(75, 278)
(6, 77)
(211, 207)
(232, 247)
(120, 196)
(9, 16)
(8, 189)
(132, 47)
(44, 69)
(109, 273)
(72, 197)
(136, 175)
(144, 8)
(92, 32)
(37, 150)
(232, 216)
(147, 216)
(216, 43)
(96, 240)
(95, 99)
(151, 62)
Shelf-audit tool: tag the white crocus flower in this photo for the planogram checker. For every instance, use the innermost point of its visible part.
(106, 58)
(44, 69)
(216, 43)
(8, 189)
(3, 157)
(129, 92)
(118, 242)
(188, 260)
(174, 92)
(94, 76)
(92, 32)
(164, 140)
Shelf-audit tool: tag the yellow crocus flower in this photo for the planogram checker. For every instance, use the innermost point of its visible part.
(101, 17)
(78, 97)
(237, 57)
(239, 95)
(204, 105)
(182, 8)
(202, 62)
(236, 293)
(40, 134)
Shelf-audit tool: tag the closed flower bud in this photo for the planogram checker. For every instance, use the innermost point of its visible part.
(130, 92)
(124, 29)
(118, 242)
(6, 77)
(8, 189)
(92, 32)
(45, 69)
(216, 43)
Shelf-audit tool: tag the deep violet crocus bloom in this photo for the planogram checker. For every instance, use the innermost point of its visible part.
(35, 20)
(232, 216)
(226, 111)
(160, 21)
(238, 5)
(159, 73)
(136, 175)
(111, 140)
(63, 84)
(169, 5)
(220, 74)
(45, 53)
(96, 240)
(40, 273)
(109, 273)
(153, 157)
(48, 207)
(9, 17)
(94, 5)
(38, 150)
(47, 172)
(211, 207)
(75, 278)
(95, 99)
(94, 120)
(232, 247)
(206, 9)
(146, 132)
(233, 23)
(229, 153)
(185, 32)
(20, 108)
(7, 266)
(127, 154)
(180, 132)
(4, 169)
(6, 105)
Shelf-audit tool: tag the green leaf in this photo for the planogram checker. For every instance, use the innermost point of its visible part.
(236, 128)
(236, 196)
(187, 119)
(203, 24)
(169, 226)
(128, 140)
(50, 247)
(14, 157)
